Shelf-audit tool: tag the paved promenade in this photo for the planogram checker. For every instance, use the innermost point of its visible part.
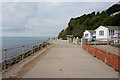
(66, 60)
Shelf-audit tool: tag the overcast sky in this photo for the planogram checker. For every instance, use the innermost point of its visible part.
(43, 19)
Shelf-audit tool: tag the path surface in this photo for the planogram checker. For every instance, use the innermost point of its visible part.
(66, 60)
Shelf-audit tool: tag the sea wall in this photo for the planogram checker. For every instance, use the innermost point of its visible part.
(5, 64)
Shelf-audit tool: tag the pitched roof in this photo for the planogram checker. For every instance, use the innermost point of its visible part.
(112, 27)
(69, 35)
(91, 31)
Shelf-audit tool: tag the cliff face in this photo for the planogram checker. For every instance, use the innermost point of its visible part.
(77, 26)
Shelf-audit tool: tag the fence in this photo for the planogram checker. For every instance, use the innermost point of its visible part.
(7, 62)
(105, 50)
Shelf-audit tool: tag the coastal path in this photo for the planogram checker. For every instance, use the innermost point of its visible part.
(65, 60)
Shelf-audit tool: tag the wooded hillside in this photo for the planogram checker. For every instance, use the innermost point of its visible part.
(77, 26)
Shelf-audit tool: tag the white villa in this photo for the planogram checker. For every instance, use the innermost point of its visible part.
(88, 34)
(108, 32)
(104, 32)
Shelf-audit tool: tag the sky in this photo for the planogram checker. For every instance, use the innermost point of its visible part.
(43, 19)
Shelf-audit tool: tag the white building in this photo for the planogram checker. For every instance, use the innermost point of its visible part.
(88, 34)
(108, 32)
(115, 13)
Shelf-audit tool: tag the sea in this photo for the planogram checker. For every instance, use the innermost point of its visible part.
(13, 42)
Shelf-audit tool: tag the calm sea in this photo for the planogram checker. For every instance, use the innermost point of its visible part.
(10, 42)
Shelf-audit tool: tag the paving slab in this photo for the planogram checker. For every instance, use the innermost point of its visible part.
(67, 60)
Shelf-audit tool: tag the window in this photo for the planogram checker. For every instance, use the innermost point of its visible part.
(113, 32)
(91, 34)
(86, 35)
(109, 32)
(101, 33)
(118, 34)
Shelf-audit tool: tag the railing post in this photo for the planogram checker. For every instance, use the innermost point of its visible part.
(27, 51)
(99, 41)
(107, 50)
(95, 43)
(22, 52)
(94, 47)
(38, 46)
(10, 59)
(107, 45)
(41, 46)
(32, 49)
(88, 41)
(5, 59)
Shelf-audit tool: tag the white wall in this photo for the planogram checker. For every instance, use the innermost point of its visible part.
(115, 36)
(74, 40)
(106, 32)
(116, 31)
(94, 34)
(89, 34)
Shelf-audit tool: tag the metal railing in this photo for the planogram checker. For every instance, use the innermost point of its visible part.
(108, 45)
(8, 61)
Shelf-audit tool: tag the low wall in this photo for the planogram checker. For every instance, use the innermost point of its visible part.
(100, 44)
(112, 60)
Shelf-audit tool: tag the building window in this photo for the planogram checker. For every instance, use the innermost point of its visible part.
(101, 33)
(86, 35)
(118, 34)
(109, 32)
(113, 32)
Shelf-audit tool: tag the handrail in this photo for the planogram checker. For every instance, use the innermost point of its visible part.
(19, 46)
(25, 53)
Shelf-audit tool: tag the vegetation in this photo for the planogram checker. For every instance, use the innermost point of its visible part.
(77, 26)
